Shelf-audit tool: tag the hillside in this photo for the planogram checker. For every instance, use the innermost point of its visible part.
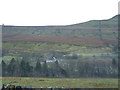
(83, 50)
(96, 32)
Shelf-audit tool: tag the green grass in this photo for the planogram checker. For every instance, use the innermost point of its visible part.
(63, 82)
(16, 49)
(37, 47)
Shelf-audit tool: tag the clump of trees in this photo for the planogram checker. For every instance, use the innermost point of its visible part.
(86, 68)
(24, 69)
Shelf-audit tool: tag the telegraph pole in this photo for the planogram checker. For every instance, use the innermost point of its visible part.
(100, 32)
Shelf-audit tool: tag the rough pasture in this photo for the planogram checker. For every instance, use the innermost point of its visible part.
(62, 82)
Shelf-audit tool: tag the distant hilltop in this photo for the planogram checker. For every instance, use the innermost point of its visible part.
(93, 33)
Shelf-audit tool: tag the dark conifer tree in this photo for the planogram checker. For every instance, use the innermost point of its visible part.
(11, 67)
(38, 69)
(4, 68)
(45, 70)
(25, 69)
(59, 71)
(114, 63)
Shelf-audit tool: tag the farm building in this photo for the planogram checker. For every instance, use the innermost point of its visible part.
(48, 60)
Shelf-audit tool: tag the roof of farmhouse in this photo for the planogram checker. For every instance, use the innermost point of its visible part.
(49, 59)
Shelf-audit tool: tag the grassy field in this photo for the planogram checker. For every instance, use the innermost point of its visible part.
(17, 48)
(62, 82)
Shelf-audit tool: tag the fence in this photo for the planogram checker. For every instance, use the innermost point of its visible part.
(13, 87)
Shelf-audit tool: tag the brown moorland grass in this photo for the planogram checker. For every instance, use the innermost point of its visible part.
(90, 41)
